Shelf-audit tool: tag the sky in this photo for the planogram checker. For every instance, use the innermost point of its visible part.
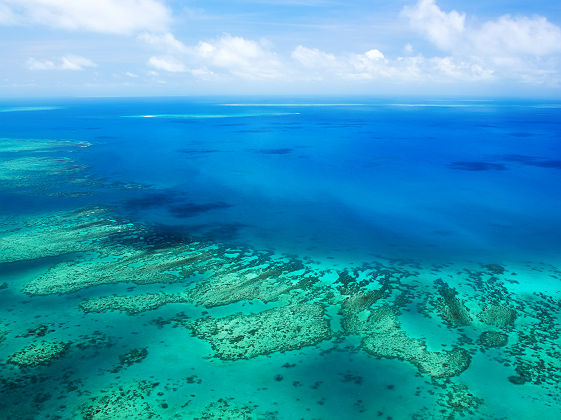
(258, 47)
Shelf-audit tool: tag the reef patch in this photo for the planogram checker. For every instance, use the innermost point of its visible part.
(276, 330)
(388, 340)
(121, 402)
(129, 304)
(38, 354)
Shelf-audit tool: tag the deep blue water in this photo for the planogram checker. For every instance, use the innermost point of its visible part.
(396, 178)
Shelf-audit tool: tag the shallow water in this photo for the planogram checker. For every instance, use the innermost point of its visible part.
(339, 258)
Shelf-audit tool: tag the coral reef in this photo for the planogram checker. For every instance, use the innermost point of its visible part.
(235, 287)
(493, 339)
(39, 331)
(38, 354)
(461, 400)
(120, 402)
(228, 408)
(495, 269)
(42, 166)
(39, 146)
(130, 358)
(136, 267)
(279, 329)
(58, 234)
(130, 304)
(499, 316)
(258, 277)
(389, 341)
(451, 308)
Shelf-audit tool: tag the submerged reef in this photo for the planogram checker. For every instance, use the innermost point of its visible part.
(121, 402)
(130, 358)
(72, 276)
(451, 308)
(58, 234)
(228, 408)
(130, 304)
(493, 339)
(388, 340)
(498, 316)
(287, 304)
(224, 289)
(279, 329)
(461, 400)
(42, 166)
(38, 354)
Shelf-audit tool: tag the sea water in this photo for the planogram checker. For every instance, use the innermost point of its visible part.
(279, 258)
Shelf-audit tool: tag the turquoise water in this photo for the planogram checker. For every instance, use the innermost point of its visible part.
(267, 258)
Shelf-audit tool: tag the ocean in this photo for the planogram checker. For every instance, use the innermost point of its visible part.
(280, 258)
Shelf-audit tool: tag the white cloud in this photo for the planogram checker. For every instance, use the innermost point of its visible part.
(164, 42)
(203, 73)
(168, 64)
(34, 64)
(517, 36)
(220, 58)
(454, 69)
(518, 48)
(373, 65)
(241, 57)
(374, 55)
(313, 58)
(504, 36)
(68, 62)
(106, 16)
(75, 62)
(440, 27)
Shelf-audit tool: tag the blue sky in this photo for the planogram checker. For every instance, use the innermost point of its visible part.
(173, 47)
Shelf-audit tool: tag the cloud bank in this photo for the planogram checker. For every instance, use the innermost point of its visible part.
(523, 49)
(440, 48)
(504, 36)
(104, 16)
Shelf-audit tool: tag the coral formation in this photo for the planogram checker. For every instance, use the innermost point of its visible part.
(493, 339)
(41, 166)
(495, 269)
(451, 308)
(499, 316)
(227, 408)
(120, 402)
(234, 287)
(135, 266)
(130, 358)
(130, 304)
(38, 354)
(388, 340)
(58, 234)
(279, 329)
(461, 400)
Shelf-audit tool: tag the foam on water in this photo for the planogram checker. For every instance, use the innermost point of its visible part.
(29, 108)
(203, 116)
